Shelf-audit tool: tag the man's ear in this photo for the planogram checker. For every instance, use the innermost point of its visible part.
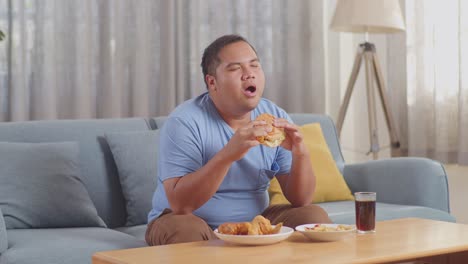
(211, 82)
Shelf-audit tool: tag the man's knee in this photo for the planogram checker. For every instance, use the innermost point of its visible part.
(172, 228)
(305, 215)
(312, 214)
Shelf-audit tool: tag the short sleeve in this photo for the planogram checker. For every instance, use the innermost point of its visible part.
(180, 150)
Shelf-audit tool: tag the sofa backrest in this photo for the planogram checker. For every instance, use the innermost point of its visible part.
(157, 122)
(98, 169)
(327, 124)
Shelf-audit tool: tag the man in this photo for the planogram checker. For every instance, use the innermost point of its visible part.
(211, 167)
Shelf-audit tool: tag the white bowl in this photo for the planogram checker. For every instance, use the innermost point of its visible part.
(325, 235)
(254, 240)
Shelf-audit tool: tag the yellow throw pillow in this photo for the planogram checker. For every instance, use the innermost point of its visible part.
(330, 184)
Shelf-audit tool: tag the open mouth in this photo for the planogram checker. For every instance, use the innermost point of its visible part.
(250, 91)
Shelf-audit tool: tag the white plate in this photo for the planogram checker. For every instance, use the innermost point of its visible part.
(325, 235)
(254, 240)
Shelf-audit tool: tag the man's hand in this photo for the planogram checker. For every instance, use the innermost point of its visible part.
(243, 139)
(299, 186)
(293, 141)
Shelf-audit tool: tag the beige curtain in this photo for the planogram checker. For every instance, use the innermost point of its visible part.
(429, 68)
(66, 59)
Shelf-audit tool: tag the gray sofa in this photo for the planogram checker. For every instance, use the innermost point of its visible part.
(69, 188)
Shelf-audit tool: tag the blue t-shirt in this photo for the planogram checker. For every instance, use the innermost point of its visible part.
(193, 133)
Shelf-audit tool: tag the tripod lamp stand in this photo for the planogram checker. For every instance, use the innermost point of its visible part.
(369, 16)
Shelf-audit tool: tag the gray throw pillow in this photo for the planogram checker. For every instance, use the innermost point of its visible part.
(136, 155)
(40, 187)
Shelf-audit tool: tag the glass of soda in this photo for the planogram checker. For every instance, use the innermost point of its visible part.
(365, 211)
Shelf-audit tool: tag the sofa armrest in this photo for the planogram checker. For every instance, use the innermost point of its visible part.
(408, 181)
(3, 234)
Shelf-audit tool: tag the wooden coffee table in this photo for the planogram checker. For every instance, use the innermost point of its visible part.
(409, 239)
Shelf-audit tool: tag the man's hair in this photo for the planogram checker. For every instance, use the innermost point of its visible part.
(210, 59)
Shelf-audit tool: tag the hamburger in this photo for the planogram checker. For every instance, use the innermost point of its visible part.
(275, 137)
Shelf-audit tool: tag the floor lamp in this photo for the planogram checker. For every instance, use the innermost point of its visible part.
(369, 16)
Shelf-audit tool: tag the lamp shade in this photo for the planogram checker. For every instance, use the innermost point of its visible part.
(373, 16)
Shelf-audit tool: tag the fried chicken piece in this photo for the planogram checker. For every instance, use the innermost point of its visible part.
(276, 229)
(262, 226)
(259, 226)
(235, 228)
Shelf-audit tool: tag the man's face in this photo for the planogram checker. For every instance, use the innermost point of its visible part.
(238, 84)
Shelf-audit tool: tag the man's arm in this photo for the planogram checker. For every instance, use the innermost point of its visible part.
(188, 193)
(299, 186)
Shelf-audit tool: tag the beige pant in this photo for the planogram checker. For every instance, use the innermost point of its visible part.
(170, 228)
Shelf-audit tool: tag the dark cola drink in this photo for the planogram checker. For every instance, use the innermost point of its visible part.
(365, 212)
(365, 215)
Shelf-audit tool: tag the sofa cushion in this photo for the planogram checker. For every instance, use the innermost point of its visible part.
(3, 234)
(97, 167)
(330, 184)
(63, 245)
(138, 231)
(41, 188)
(135, 154)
